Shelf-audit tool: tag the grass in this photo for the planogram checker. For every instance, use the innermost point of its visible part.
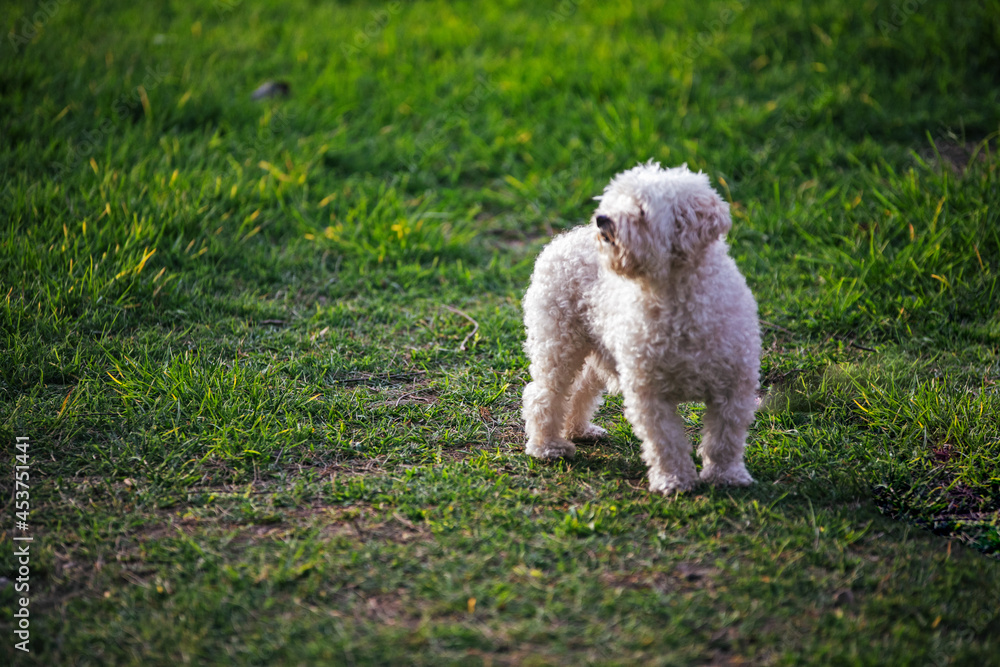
(268, 354)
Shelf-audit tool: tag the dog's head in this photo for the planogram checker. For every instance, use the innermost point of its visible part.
(651, 219)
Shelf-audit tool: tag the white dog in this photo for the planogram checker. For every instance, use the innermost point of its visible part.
(647, 301)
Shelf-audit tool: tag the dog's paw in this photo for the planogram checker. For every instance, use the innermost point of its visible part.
(553, 449)
(589, 433)
(668, 485)
(733, 475)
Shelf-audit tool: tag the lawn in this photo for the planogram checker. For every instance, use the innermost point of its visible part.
(262, 359)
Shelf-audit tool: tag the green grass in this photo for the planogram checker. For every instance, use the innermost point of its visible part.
(268, 354)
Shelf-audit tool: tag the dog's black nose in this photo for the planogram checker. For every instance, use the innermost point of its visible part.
(605, 224)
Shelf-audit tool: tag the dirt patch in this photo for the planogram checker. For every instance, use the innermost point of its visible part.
(957, 156)
(685, 575)
(386, 608)
(516, 240)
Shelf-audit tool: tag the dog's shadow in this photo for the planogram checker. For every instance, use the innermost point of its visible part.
(809, 502)
(617, 456)
(608, 458)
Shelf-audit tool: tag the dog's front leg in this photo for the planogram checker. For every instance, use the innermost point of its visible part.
(665, 446)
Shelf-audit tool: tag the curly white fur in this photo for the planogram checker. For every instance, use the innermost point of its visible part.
(646, 300)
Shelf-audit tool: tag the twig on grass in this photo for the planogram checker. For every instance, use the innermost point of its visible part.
(852, 343)
(769, 325)
(133, 579)
(371, 379)
(414, 395)
(475, 326)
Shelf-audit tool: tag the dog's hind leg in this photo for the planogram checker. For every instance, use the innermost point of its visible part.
(723, 441)
(665, 446)
(546, 398)
(585, 397)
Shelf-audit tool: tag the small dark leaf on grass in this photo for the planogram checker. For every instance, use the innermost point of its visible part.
(943, 453)
(843, 598)
(271, 89)
(691, 572)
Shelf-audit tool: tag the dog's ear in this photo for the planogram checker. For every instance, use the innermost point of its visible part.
(699, 221)
(606, 227)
